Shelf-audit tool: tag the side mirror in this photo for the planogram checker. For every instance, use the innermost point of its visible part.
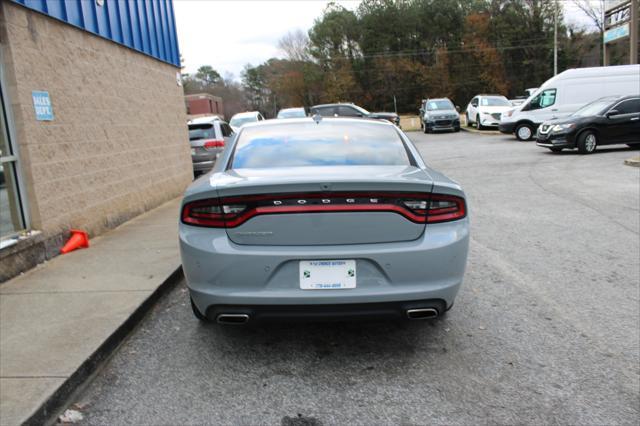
(458, 108)
(612, 113)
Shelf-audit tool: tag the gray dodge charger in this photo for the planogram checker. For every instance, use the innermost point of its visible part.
(320, 219)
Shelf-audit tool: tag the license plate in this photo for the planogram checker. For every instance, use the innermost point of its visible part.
(327, 274)
(193, 151)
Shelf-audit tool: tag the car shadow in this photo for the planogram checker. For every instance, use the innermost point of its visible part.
(330, 342)
(598, 150)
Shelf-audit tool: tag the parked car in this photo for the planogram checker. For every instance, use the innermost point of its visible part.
(208, 137)
(319, 218)
(292, 113)
(440, 114)
(352, 110)
(486, 110)
(609, 120)
(566, 93)
(242, 118)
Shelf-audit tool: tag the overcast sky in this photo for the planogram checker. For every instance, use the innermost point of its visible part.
(229, 34)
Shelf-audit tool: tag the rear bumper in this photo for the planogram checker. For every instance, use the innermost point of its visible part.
(350, 312)
(203, 166)
(219, 272)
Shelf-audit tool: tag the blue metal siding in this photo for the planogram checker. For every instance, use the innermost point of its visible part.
(147, 26)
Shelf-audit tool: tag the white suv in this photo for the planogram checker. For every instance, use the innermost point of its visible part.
(486, 110)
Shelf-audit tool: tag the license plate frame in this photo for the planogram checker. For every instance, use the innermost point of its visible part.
(327, 274)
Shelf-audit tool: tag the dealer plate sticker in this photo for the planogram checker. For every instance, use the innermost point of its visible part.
(327, 274)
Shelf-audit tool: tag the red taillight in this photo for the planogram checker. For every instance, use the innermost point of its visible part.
(444, 208)
(204, 213)
(230, 212)
(213, 144)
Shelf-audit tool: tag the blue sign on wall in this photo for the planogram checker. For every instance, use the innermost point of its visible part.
(42, 105)
(616, 33)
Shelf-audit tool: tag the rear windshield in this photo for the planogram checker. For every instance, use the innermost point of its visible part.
(292, 113)
(323, 144)
(201, 131)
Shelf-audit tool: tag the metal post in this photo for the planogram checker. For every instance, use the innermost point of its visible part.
(633, 32)
(395, 106)
(555, 39)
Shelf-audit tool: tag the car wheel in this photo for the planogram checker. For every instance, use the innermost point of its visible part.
(633, 145)
(556, 149)
(468, 121)
(524, 132)
(197, 313)
(478, 125)
(426, 129)
(587, 142)
(457, 129)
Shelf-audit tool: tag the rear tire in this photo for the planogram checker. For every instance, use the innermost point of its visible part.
(633, 145)
(197, 313)
(468, 121)
(524, 132)
(587, 142)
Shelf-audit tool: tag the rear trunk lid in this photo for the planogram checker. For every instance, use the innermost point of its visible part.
(323, 205)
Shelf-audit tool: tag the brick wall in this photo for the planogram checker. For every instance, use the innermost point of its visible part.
(118, 145)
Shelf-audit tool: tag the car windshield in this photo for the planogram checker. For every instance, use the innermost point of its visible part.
(494, 102)
(201, 131)
(241, 121)
(292, 113)
(593, 108)
(324, 144)
(439, 105)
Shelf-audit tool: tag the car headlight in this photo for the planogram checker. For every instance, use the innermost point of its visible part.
(562, 127)
(508, 113)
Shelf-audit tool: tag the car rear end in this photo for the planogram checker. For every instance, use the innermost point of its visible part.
(359, 228)
(207, 143)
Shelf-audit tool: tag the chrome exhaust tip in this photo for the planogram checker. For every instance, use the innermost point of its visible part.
(236, 319)
(422, 313)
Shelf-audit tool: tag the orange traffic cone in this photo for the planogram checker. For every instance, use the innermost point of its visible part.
(78, 239)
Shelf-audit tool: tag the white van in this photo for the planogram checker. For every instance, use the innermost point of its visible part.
(567, 92)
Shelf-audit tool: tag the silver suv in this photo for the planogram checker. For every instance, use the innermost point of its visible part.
(208, 137)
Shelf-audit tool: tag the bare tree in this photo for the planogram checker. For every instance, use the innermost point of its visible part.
(594, 10)
(295, 45)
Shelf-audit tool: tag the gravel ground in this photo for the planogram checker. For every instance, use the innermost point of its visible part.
(545, 329)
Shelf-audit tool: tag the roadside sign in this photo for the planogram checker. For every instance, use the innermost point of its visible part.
(616, 33)
(42, 105)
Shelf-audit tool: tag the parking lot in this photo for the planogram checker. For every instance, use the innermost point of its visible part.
(543, 331)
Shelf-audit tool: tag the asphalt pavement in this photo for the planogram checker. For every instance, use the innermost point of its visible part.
(545, 329)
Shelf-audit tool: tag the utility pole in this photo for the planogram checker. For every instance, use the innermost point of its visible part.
(633, 32)
(555, 39)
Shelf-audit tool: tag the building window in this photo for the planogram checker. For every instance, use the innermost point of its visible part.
(13, 218)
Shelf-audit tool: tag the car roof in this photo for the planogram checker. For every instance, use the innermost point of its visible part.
(204, 120)
(438, 99)
(334, 104)
(344, 120)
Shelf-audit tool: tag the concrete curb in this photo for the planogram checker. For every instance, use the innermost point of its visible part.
(49, 410)
(633, 162)
(480, 132)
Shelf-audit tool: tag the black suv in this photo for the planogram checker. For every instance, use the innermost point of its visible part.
(352, 110)
(606, 121)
